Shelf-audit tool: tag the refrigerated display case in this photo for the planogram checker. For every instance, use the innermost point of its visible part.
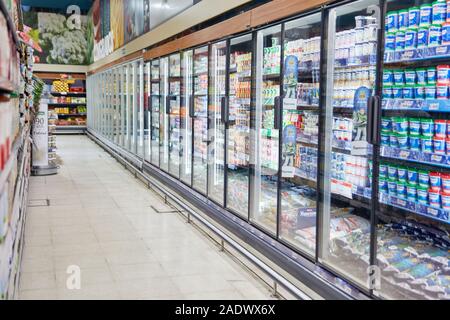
(186, 114)
(216, 119)
(155, 108)
(147, 111)
(280, 127)
(238, 123)
(264, 184)
(173, 105)
(200, 126)
(139, 91)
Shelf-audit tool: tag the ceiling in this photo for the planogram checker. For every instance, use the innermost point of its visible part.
(58, 4)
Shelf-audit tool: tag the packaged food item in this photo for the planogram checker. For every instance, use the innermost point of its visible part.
(445, 198)
(411, 38)
(390, 42)
(430, 91)
(388, 78)
(419, 91)
(424, 178)
(431, 75)
(434, 198)
(397, 92)
(385, 139)
(440, 128)
(410, 77)
(435, 35)
(414, 143)
(446, 33)
(400, 37)
(422, 195)
(414, 126)
(413, 18)
(401, 190)
(421, 75)
(399, 77)
(435, 181)
(427, 127)
(392, 20)
(387, 92)
(411, 192)
(403, 141)
(448, 11)
(446, 182)
(413, 176)
(442, 91)
(402, 173)
(426, 144)
(392, 172)
(408, 92)
(426, 14)
(439, 145)
(386, 125)
(401, 125)
(422, 37)
(403, 17)
(383, 185)
(439, 12)
(443, 75)
(392, 187)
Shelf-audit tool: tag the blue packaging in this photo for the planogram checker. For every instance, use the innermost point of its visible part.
(392, 187)
(422, 37)
(392, 172)
(392, 20)
(439, 145)
(424, 179)
(445, 198)
(435, 199)
(430, 91)
(397, 92)
(439, 12)
(403, 141)
(385, 140)
(411, 38)
(390, 41)
(408, 92)
(383, 171)
(431, 75)
(383, 185)
(388, 78)
(386, 125)
(410, 77)
(412, 192)
(426, 14)
(413, 176)
(414, 143)
(426, 144)
(446, 33)
(400, 125)
(421, 75)
(435, 181)
(414, 127)
(413, 17)
(419, 92)
(402, 173)
(393, 141)
(387, 92)
(400, 41)
(399, 77)
(422, 195)
(441, 92)
(403, 17)
(401, 190)
(435, 35)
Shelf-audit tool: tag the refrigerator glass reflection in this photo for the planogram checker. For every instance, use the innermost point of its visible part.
(163, 115)
(129, 104)
(173, 109)
(300, 132)
(147, 111)
(351, 75)
(155, 107)
(216, 128)
(238, 124)
(186, 113)
(200, 130)
(265, 150)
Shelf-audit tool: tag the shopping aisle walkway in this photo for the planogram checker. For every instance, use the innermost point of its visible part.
(100, 219)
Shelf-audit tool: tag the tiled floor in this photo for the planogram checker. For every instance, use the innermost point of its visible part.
(100, 219)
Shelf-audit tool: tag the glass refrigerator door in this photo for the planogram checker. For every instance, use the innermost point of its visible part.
(414, 172)
(154, 105)
(163, 115)
(123, 104)
(173, 109)
(200, 129)
(345, 209)
(140, 108)
(300, 133)
(216, 141)
(147, 112)
(238, 124)
(264, 184)
(186, 114)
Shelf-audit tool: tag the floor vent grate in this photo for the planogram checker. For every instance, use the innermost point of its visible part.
(39, 203)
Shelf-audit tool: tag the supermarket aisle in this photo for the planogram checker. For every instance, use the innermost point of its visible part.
(100, 219)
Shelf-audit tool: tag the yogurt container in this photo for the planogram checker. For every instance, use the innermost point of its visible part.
(385, 139)
(408, 92)
(439, 12)
(410, 77)
(403, 18)
(445, 33)
(448, 11)
(440, 128)
(435, 181)
(401, 190)
(422, 195)
(426, 14)
(392, 187)
(411, 38)
(426, 144)
(414, 126)
(393, 140)
(387, 92)
(388, 78)
(419, 91)
(427, 127)
(392, 20)
(435, 35)
(400, 125)
(435, 198)
(392, 172)
(397, 92)
(430, 91)
(447, 147)
(445, 182)
(399, 78)
(414, 143)
(422, 37)
(383, 185)
(443, 75)
(431, 75)
(413, 176)
(386, 125)
(383, 171)
(445, 198)
(400, 41)
(403, 141)
(421, 75)
(411, 192)
(402, 173)
(413, 17)
(424, 178)
(439, 145)
(442, 92)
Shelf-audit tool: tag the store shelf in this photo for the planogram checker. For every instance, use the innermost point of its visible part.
(432, 105)
(361, 61)
(72, 115)
(416, 156)
(416, 208)
(69, 94)
(67, 105)
(416, 56)
(11, 26)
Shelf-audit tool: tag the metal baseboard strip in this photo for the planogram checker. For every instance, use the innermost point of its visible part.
(301, 269)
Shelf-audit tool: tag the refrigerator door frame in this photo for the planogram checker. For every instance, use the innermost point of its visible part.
(169, 99)
(164, 147)
(153, 155)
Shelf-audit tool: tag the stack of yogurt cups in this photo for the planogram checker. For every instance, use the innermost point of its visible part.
(418, 27)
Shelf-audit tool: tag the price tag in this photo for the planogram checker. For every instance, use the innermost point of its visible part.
(401, 202)
(404, 154)
(433, 106)
(433, 212)
(436, 158)
(441, 50)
